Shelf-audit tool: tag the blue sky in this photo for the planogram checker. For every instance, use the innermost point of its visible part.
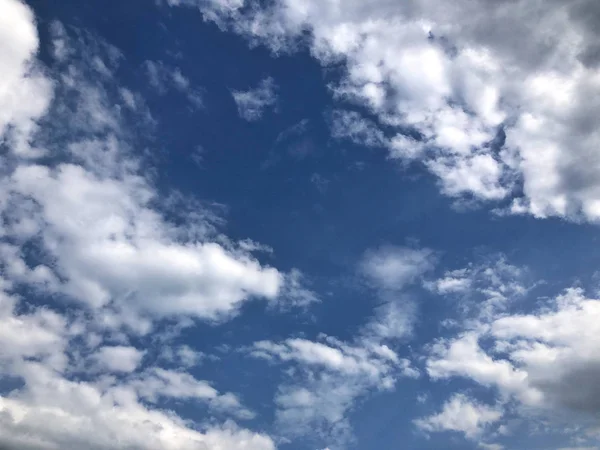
(299, 224)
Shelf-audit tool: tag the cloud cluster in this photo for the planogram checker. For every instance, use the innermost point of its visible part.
(496, 113)
(103, 242)
(329, 376)
(463, 415)
(541, 363)
(93, 258)
(68, 400)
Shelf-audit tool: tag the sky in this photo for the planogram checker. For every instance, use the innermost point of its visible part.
(299, 224)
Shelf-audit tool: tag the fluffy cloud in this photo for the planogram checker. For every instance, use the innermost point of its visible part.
(537, 363)
(541, 363)
(328, 376)
(25, 93)
(463, 415)
(96, 421)
(94, 217)
(252, 103)
(496, 114)
(91, 254)
(118, 358)
(55, 410)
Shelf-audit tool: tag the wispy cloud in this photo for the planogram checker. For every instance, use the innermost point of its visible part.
(251, 104)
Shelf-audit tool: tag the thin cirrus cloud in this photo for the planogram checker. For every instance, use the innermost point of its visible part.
(252, 103)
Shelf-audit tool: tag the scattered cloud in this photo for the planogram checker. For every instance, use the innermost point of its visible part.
(102, 271)
(544, 360)
(108, 263)
(436, 71)
(483, 289)
(252, 103)
(392, 268)
(162, 78)
(463, 415)
(328, 375)
(295, 291)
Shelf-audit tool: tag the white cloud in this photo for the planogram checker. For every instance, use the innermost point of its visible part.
(182, 355)
(461, 414)
(252, 103)
(24, 92)
(483, 289)
(96, 421)
(157, 383)
(391, 268)
(539, 364)
(485, 446)
(329, 376)
(335, 356)
(437, 70)
(480, 174)
(352, 126)
(109, 263)
(118, 358)
(163, 78)
(545, 360)
(53, 411)
(115, 249)
(295, 291)
(452, 283)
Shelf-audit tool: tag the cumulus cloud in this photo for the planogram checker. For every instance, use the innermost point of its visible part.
(541, 363)
(109, 263)
(25, 93)
(537, 362)
(55, 410)
(497, 114)
(252, 103)
(463, 415)
(328, 375)
(118, 358)
(93, 216)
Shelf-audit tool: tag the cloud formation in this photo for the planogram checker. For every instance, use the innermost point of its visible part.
(89, 260)
(252, 103)
(504, 114)
(541, 364)
(329, 376)
(463, 415)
